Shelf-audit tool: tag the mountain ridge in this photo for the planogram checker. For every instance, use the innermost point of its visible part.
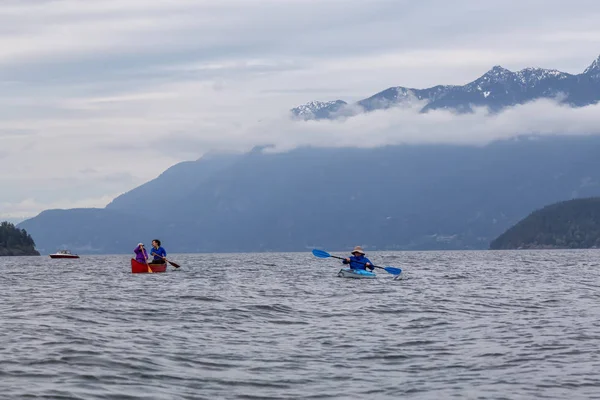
(403, 197)
(594, 68)
(497, 89)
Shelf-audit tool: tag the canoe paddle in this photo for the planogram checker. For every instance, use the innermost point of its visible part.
(324, 254)
(147, 265)
(170, 262)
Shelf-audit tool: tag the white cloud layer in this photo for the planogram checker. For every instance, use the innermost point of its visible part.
(97, 97)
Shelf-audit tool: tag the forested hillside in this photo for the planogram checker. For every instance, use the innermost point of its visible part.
(15, 242)
(573, 224)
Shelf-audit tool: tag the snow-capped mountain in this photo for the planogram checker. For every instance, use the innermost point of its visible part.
(396, 96)
(496, 89)
(318, 109)
(593, 71)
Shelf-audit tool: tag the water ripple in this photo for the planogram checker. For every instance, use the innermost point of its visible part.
(477, 325)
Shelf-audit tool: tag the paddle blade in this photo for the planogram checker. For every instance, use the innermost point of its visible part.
(393, 271)
(321, 253)
(174, 264)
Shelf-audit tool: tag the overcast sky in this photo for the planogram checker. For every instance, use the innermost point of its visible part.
(97, 97)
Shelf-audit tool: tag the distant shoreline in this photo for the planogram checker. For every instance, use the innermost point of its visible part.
(337, 252)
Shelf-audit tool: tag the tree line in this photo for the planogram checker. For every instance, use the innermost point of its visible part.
(15, 241)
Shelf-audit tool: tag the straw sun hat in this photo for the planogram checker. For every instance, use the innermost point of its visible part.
(358, 249)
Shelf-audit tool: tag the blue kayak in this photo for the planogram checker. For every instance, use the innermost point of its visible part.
(356, 273)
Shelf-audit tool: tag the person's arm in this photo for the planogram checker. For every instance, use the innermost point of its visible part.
(368, 264)
(346, 261)
(160, 252)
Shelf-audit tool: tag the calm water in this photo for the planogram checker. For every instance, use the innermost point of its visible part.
(465, 325)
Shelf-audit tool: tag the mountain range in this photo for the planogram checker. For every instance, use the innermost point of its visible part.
(403, 197)
(496, 89)
(418, 197)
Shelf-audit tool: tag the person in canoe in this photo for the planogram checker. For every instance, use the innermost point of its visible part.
(158, 252)
(358, 260)
(141, 255)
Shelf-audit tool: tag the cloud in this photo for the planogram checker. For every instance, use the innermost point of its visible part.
(406, 126)
(399, 125)
(18, 211)
(27, 190)
(97, 97)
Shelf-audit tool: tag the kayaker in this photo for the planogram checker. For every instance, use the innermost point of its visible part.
(141, 255)
(158, 252)
(358, 260)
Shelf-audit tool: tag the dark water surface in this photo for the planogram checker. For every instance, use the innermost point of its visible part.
(464, 325)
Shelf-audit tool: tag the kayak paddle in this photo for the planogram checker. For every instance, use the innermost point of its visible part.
(324, 254)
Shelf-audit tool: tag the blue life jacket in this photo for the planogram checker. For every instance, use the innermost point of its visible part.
(362, 260)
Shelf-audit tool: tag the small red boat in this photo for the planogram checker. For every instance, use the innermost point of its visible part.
(139, 268)
(63, 254)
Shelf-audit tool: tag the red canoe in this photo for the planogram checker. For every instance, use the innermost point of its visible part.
(139, 268)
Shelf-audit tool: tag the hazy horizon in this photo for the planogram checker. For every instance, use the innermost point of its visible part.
(100, 97)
